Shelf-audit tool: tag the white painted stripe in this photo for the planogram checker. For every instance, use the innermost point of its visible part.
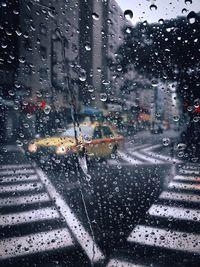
(20, 187)
(187, 178)
(189, 172)
(15, 166)
(34, 243)
(28, 216)
(162, 238)
(152, 147)
(18, 171)
(180, 197)
(179, 185)
(119, 263)
(31, 199)
(174, 212)
(146, 157)
(113, 162)
(133, 148)
(81, 235)
(128, 159)
(13, 148)
(18, 178)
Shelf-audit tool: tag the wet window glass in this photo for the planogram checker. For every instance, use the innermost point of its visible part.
(99, 133)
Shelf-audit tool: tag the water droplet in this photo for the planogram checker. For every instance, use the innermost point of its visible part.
(4, 45)
(188, 2)
(90, 88)
(181, 146)
(103, 97)
(95, 16)
(3, 4)
(19, 143)
(51, 13)
(106, 82)
(189, 108)
(18, 32)
(176, 118)
(185, 87)
(154, 83)
(16, 12)
(11, 92)
(153, 7)
(161, 21)
(184, 10)
(87, 47)
(196, 119)
(47, 109)
(191, 17)
(166, 141)
(22, 60)
(39, 94)
(128, 30)
(128, 14)
(119, 68)
(92, 96)
(82, 76)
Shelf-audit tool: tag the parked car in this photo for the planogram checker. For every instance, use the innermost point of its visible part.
(95, 139)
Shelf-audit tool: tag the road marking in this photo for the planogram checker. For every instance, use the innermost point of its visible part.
(174, 212)
(162, 238)
(127, 158)
(18, 178)
(179, 185)
(15, 166)
(20, 187)
(34, 243)
(29, 216)
(189, 172)
(136, 147)
(180, 196)
(18, 171)
(81, 235)
(119, 263)
(187, 178)
(146, 157)
(31, 199)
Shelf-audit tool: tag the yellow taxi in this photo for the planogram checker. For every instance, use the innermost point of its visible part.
(98, 140)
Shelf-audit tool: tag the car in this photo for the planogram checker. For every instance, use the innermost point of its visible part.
(96, 140)
(157, 129)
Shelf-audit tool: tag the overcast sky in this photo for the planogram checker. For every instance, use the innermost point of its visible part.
(166, 9)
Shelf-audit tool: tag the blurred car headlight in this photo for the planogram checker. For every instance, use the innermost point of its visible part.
(61, 150)
(32, 148)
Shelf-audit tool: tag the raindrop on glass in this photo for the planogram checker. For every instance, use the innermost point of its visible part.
(95, 16)
(176, 118)
(153, 7)
(103, 97)
(128, 30)
(82, 76)
(166, 141)
(188, 2)
(47, 109)
(87, 47)
(128, 14)
(191, 17)
(184, 10)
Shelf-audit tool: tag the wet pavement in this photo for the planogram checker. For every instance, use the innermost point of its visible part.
(138, 209)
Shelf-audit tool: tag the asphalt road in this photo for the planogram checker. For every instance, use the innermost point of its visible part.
(56, 217)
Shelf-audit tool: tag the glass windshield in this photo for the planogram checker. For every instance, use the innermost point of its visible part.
(100, 133)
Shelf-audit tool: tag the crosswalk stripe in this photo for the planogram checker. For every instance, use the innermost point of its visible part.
(34, 243)
(85, 240)
(30, 199)
(174, 212)
(179, 185)
(189, 171)
(162, 238)
(137, 147)
(119, 263)
(20, 187)
(28, 216)
(180, 197)
(17, 171)
(18, 178)
(127, 158)
(15, 166)
(146, 157)
(187, 178)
